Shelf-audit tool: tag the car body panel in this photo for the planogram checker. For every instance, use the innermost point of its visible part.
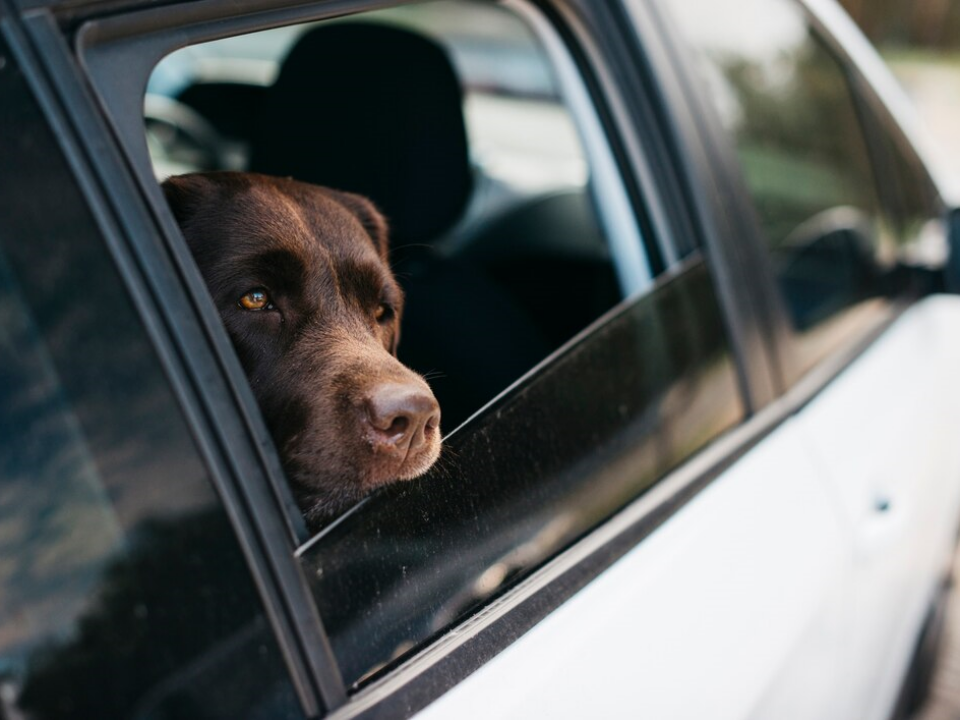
(885, 433)
(701, 618)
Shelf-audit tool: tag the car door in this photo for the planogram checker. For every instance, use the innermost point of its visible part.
(632, 431)
(848, 217)
(422, 584)
(897, 476)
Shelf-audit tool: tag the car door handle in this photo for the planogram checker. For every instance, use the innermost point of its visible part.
(882, 503)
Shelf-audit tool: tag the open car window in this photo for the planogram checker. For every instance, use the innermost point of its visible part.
(506, 248)
(570, 379)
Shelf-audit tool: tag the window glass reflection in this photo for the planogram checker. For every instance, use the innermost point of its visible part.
(123, 591)
(788, 107)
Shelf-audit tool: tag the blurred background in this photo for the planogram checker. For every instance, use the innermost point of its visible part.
(920, 40)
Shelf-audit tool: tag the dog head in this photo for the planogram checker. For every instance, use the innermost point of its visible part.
(300, 276)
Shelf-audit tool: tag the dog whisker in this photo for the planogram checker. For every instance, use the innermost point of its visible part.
(447, 465)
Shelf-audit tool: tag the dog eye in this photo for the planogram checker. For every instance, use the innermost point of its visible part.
(383, 312)
(256, 299)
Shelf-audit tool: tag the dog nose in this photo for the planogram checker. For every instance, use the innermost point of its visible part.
(403, 417)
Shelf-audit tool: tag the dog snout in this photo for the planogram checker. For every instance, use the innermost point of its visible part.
(402, 418)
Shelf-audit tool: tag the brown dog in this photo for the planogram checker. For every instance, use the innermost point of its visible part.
(300, 276)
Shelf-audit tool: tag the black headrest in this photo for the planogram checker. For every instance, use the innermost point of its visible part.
(377, 111)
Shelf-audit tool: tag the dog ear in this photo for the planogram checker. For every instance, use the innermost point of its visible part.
(372, 219)
(185, 193)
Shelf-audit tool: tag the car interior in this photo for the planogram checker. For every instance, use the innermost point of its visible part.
(498, 269)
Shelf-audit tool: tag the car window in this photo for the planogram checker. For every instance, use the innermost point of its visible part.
(787, 104)
(524, 221)
(123, 592)
(571, 380)
(505, 74)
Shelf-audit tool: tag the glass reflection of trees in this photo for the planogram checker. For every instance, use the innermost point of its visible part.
(797, 129)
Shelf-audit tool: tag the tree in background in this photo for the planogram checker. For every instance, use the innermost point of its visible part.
(924, 23)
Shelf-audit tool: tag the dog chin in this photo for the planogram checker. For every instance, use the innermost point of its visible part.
(319, 507)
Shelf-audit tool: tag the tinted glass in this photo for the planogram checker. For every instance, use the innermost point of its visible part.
(559, 454)
(788, 107)
(123, 592)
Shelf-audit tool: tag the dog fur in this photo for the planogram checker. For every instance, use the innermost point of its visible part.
(319, 344)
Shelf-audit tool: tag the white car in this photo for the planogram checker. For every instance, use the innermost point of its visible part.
(682, 276)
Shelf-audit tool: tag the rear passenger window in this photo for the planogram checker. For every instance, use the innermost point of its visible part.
(486, 182)
(571, 379)
(788, 106)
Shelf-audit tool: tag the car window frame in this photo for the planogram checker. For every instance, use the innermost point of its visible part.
(140, 221)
